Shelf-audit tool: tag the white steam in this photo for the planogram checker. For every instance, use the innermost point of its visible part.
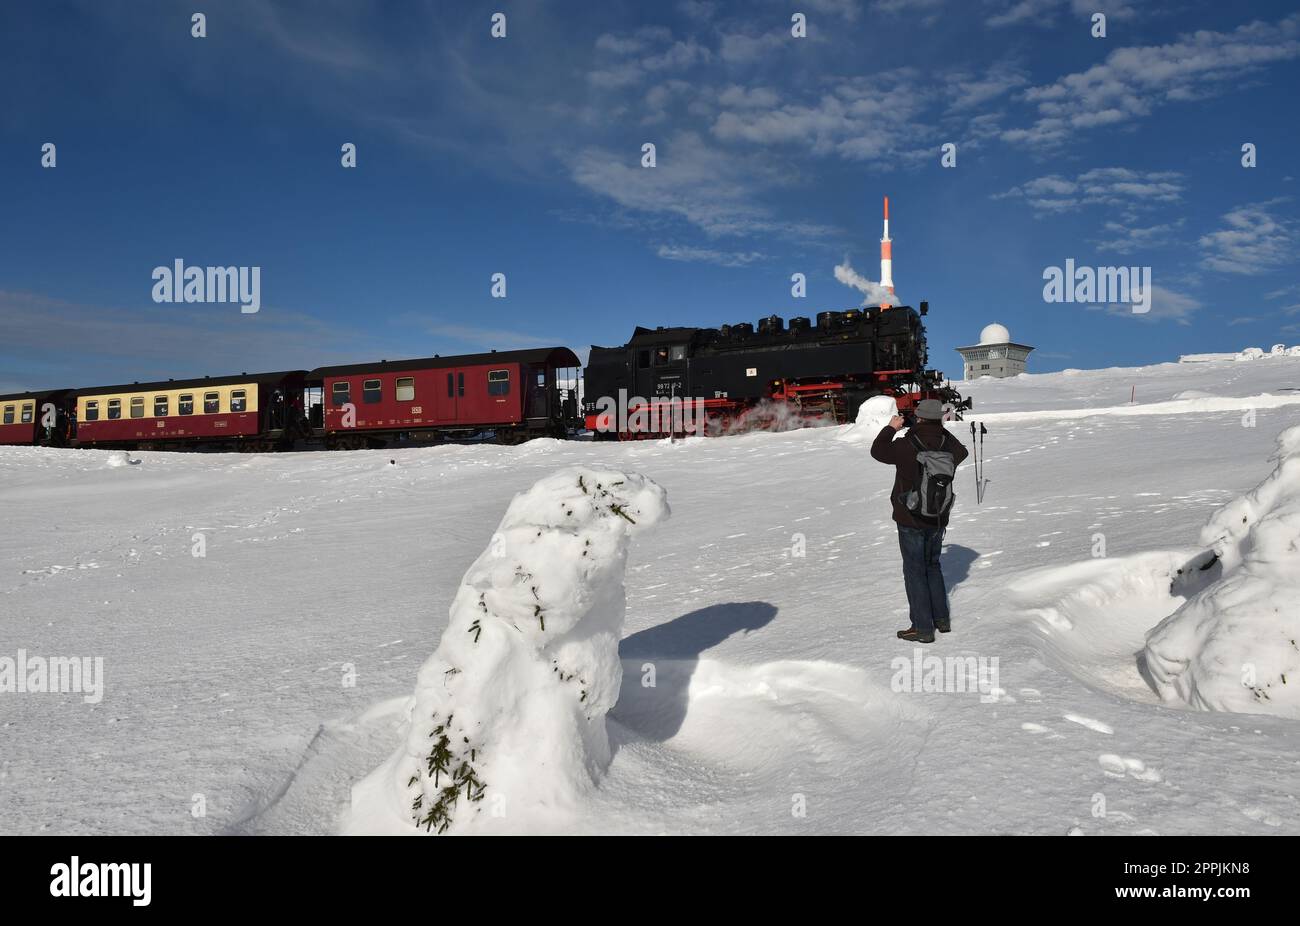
(873, 293)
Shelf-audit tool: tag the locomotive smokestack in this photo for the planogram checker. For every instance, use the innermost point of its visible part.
(886, 258)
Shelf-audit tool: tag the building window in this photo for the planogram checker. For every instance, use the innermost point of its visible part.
(211, 403)
(984, 366)
(9, 414)
(405, 389)
(371, 391)
(239, 401)
(114, 409)
(498, 382)
(92, 411)
(137, 407)
(341, 393)
(160, 406)
(185, 404)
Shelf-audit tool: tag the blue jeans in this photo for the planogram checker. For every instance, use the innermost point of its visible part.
(927, 597)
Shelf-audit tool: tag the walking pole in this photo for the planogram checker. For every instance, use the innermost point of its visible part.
(976, 454)
(983, 460)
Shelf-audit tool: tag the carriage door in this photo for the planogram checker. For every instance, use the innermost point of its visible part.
(446, 391)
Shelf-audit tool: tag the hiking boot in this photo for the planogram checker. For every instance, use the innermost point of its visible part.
(912, 635)
(943, 626)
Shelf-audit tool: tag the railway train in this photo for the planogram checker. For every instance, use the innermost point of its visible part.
(662, 382)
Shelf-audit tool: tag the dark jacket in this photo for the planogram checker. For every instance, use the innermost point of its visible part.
(902, 454)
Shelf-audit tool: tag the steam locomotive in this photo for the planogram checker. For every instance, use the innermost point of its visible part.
(719, 380)
(665, 381)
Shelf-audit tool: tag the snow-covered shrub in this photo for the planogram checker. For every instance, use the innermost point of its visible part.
(1278, 350)
(1235, 645)
(1250, 353)
(873, 415)
(511, 706)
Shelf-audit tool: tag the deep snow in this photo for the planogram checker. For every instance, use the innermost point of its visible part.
(249, 689)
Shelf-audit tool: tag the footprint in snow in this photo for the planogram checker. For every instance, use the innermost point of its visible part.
(1118, 767)
(1260, 815)
(1034, 728)
(1031, 694)
(1095, 725)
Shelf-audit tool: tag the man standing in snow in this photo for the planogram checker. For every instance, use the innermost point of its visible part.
(923, 463)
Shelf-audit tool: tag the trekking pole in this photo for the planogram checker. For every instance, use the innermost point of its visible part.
(974, 447)
(983, 460)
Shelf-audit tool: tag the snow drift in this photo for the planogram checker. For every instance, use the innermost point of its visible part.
(1234, 645)
(509, 712)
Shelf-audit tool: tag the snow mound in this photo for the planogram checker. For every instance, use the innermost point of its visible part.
(119, 458)
(873, 415)
(509, 712)
(1234, 645)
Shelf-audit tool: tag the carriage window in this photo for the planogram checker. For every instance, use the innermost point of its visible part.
(498, 382)
(92, 411)
(185, 404)
(211, 403)
(114, 409)
(160, 406)
(678, 353)
(342, 393)
(239, 401)
(371, 391)
(460, 384)
(450, 388)
(9, 414)
(27, 414)
(406, 388)
(137, 407)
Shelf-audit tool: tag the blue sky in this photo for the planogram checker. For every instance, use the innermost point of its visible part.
(522, 156)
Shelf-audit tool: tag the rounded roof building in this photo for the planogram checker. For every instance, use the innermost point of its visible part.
(995, 354)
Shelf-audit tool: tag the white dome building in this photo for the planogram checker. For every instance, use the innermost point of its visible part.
(995, 355)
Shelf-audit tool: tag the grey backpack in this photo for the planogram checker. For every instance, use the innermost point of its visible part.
(933, 497)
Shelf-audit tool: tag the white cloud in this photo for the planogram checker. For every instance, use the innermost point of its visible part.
(1043, 12)
(1131, 82)
(1128, 189)
(709, 255)
(715, 191)
(1127, 238)
(1254, 242)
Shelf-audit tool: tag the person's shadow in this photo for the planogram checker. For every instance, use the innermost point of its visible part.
(956, 562)
(658, 663)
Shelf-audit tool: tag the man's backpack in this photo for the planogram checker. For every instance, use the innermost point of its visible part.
(936, 470)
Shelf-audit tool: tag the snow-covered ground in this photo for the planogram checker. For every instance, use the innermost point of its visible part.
(249, 689)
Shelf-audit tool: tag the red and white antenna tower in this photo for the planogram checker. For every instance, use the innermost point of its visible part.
(886, 258)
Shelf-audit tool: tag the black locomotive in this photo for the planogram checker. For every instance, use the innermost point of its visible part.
(718, 380)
